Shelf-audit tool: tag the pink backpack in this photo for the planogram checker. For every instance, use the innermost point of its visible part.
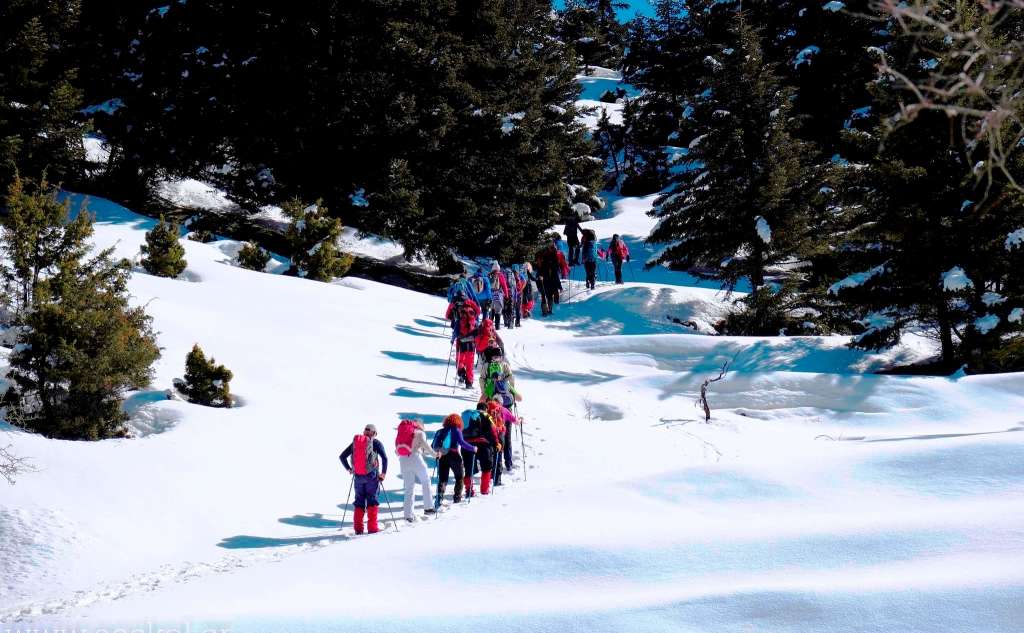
(403, 443)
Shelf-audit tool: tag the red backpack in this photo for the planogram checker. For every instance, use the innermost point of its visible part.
(403, 443)
(364, 458)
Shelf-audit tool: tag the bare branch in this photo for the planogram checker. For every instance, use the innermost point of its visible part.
(11, 466)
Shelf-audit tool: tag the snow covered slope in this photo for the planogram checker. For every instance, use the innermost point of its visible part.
(820, 497)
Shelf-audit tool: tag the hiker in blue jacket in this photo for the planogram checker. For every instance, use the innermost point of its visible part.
(446, 444)
(481, 288)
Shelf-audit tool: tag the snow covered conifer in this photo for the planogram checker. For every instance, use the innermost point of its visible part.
(80, 345)
(745, 208)
(164, 256)
(206, 382)
(312, 237)
(253, 257)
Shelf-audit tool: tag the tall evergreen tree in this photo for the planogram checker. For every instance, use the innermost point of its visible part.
(80, 344)
(744, 207)
(40, 131)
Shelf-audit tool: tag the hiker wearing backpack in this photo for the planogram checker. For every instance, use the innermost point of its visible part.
(588, 251)
(513, 300)
(461, 285)
(572, 230)
(499, 294)
(447, 444)
(617, 252)
(551, 267)
(499, 382)
(479, 431)
(487, 338)
(481, 289)
(368, 468)
(462, 313)
(500, 412)
(411, 447)
(529, 291)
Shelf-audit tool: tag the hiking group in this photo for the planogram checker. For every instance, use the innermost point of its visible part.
(479, 440)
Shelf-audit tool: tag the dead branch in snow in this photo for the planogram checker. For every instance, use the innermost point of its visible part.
(11, 465)
(703, 400)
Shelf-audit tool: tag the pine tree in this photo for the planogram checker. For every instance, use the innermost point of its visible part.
(40, 131)
(253, 257)
(206, 382)
(36, 239)
(312, 237)
(744, 207)
(164, 256)
(80, 344)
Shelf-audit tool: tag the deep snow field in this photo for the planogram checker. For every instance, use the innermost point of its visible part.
(822, 497)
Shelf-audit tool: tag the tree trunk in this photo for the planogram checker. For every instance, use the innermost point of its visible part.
(946, 335)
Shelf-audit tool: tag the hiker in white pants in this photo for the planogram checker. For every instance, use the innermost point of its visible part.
(413, 468)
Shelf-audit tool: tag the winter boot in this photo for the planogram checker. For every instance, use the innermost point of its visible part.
(357, 520)
(485, 483)
(462, 374)
(468, 483)
(458, 492)
(440, 492)
(372, 527)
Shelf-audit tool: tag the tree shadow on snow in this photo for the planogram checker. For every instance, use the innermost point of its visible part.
(411, 331)
(402, 392)
(414, 382)
(414, 358)
(588, 380)
(245, 541)
(439, 322)
(315, 520)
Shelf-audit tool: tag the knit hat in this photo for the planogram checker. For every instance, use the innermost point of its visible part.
(495, 267)
(453, 420)
(371, 428)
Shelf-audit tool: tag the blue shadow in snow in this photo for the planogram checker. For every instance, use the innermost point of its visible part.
(411, 331)
(440, 323)
(414, 358)
(315, 520)
(245, 541)
(413, 382)
(140, 399)
(627, 310)
(593, 378)
(402, 392)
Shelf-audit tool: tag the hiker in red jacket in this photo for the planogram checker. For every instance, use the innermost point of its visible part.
(463, 313)
(369, 466)
(479, 431)
(618, 251)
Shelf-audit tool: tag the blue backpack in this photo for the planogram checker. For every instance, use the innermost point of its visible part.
(442, 441)
(471, 424)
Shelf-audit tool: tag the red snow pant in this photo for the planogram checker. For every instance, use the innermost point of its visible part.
(465, 358)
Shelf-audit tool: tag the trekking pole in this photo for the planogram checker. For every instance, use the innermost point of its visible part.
(522, 439)
(472, 467)
(449, 366)
(631, 273)
(387, 501)
(437, 495)
(344, 514)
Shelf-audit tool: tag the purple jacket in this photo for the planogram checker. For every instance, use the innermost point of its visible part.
(457, 441)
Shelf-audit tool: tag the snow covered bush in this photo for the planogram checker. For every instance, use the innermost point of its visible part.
(80, 345)
(312, 237)
(202, 236)
(206, 382)
(164, 256)
(253, 257)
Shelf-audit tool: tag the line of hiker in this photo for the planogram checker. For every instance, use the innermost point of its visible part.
(477, 441)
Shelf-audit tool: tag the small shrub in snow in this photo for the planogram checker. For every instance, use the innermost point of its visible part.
(206, 382)
(253, 257)
(202, 236)
(164, 256)
(312, 237)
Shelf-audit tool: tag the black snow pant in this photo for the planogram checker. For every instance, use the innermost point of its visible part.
(618, 269)
(591, 268)
(497, 311)
(484, 459)
(450, 462)
(550, 295)
(507, 448)
(574, 253)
